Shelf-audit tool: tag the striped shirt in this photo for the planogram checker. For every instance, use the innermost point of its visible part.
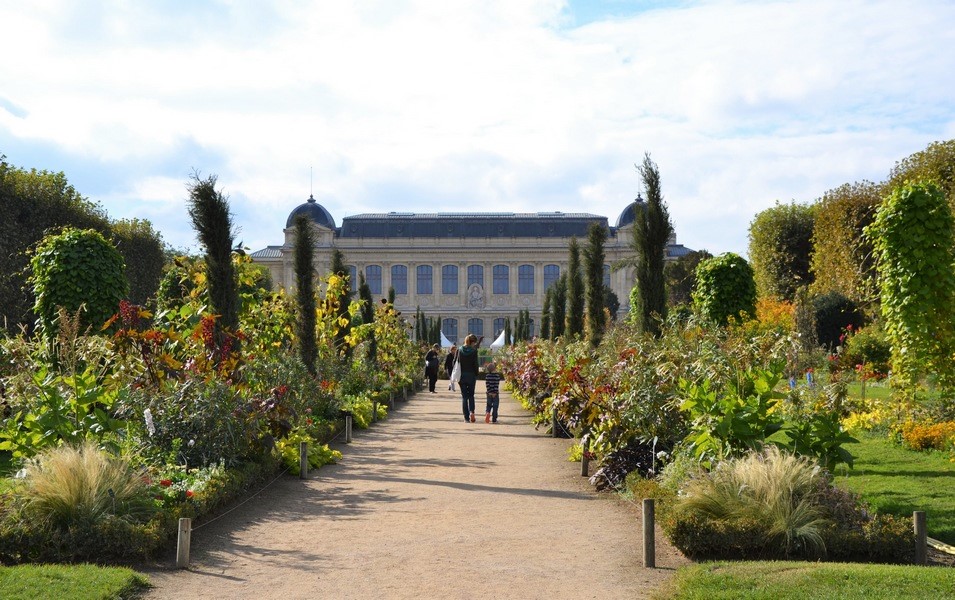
(492, 380)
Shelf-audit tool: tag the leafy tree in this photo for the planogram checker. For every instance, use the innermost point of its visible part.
(725, 288)
(338, 268)
(936, 164)
(574, 317)
(611, 302)
(545, 314)
(73, 269)
(559, 307)
(594, 284)
(912, 233)
(304, 254)
(368, 314)
(833, 313)
(144, 254)
(843, 260)
(780, 249)
(680, 276)
(651, 232)
(212, 220)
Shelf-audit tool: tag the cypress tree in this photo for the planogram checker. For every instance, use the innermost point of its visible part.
(559, 307)
(545, 314)
(344, 299)
(594, 283)
(304, 253)
(651, 232)
(507, 331)
(391, 295)
(367, 303)
(575, 293)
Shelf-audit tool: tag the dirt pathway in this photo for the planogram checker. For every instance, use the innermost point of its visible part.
(425, 505)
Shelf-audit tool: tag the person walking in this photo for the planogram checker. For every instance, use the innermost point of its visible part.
(468, 359)
(431, 367)
(449, 365)
(492, 379)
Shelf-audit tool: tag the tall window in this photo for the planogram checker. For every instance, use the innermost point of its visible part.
(449, 279)
(607, 275)
(530, 328)
(476, 275)
(525, 279)
(500, 280)
(373, 279)
(551, 275)
(423, 280)
(399, 279)
(353, 278)
(450, 329)
(476, 326)
(498, 326)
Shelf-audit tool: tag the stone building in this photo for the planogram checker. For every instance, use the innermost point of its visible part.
(473, 270)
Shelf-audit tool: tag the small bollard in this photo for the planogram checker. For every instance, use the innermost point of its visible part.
(921, 537)
(554, 422)
(302, 460)
(182, 546)
(391, 400)
(649, 536)
(348, 428)
(585, 464)
(404, 392)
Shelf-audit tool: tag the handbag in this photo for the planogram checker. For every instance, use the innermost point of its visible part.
(456, 372)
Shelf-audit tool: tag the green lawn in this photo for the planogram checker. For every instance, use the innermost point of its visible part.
(800, 580)
(898, 481)
(76, 582)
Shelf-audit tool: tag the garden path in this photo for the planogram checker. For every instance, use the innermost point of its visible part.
(424, 505)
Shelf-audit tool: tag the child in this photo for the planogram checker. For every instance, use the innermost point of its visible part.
(492, 380)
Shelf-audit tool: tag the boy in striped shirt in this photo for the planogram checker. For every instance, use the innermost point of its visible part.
(492, 379)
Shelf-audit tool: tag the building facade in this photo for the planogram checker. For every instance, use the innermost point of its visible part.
(472, 270)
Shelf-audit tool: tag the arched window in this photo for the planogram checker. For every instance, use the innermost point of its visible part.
(423, 280)
(607, 275)
(525, 279)
(373, 279)
(476, 275)
(450, 329)
(353, 278)
(399, 279)
(498, 326)
(551, 275)
(449, 279)
(501, 275)
(476, 326)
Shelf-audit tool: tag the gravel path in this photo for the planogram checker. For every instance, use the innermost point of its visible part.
(424, 505)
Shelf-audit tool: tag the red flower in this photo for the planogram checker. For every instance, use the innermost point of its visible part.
(189, 494)
(165, 483)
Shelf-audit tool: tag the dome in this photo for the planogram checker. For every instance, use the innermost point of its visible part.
(314, 211)
(629, 214)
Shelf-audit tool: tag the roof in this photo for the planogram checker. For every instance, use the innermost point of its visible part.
(269, 252)
(472, 225)
(313, 210)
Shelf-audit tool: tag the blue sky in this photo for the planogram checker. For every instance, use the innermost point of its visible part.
(472, 105)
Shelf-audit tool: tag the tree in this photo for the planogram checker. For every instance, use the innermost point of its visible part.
(391, 295)
(211, 219)
(680, 276)
(594, 284)
(843, 260)
(912, 233)
(144, 254)
(651, 233)
(304, 255)
(508, 336)
(72, 269)
(725, 288)
(611, 303)
(934, 164)
(574, 317)
(780, 249)
(559, 307)
(367, 315)
(545, 314)
(338, 268)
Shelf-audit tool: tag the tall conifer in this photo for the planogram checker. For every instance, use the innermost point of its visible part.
(304, 253)
(575, 293)
(651, 232)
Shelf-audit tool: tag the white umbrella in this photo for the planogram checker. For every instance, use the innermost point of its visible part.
(499, 342)
(445, 342)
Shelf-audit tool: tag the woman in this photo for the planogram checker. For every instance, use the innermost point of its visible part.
(431, 367)
(449, 364)
(468, 358)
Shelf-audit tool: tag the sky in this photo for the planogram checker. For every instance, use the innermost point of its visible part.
(471, 105)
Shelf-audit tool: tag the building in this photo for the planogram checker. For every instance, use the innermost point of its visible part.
(473, 270)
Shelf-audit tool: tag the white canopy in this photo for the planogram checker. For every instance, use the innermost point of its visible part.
(445, 342)
(499, 342)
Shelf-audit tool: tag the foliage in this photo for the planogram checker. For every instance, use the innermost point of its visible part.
(558, 306)
(305, 291)
(680, 276)
(725, 288)
(913, 237)
(545, 331)
(651, 233)
(318, 454)
(76, 268)
(143, 255)
(832, 313)
(775, 314)
(594, 294)
(936, 164)
(340, 300)
(934, 436)
(780, 249)
(574, 312)
(867, 350)
(843, 261)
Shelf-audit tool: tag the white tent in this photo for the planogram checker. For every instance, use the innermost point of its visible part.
(445, 342)
(499, 342)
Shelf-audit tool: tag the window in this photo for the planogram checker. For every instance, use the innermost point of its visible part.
(607, 275)
(498, 326)
(551, 275)
(476, 275)
(353, 278)
(424, 279)
(500, 280)
(476, 326)
(530, 329)
(525, 279)
(450, 329)
(399, 279)
(373, 279)
(449, 279)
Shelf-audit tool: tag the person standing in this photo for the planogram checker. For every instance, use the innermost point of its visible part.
(492, 379)
(449, 365)
(468, 359)
(431, 367)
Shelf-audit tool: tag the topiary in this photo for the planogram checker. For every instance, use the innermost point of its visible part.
(725, 287)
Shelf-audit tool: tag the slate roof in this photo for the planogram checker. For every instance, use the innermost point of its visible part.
(471, 225)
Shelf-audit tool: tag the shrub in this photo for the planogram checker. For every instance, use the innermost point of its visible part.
(934, 436)
(867, 346)
(833, 313)
(725, 288)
